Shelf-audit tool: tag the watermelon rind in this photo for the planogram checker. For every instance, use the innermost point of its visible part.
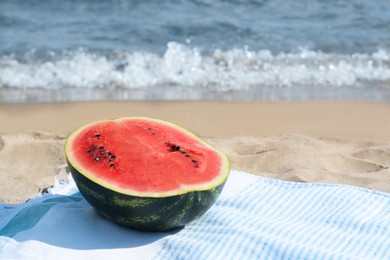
(146, 213)
(147, 210)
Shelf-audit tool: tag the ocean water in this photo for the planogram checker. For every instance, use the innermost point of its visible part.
(239, 50)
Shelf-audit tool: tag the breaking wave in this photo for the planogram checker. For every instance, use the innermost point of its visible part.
(189, 69)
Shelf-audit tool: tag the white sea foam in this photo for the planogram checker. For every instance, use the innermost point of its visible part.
(190, 68)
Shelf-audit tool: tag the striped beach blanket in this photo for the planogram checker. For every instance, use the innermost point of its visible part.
(255, 218)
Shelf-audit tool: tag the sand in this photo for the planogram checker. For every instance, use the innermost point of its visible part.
(328, 142)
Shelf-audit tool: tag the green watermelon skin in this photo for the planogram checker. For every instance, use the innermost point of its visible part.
(146, 213)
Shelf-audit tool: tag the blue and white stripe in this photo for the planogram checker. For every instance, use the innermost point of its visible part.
(282, 220)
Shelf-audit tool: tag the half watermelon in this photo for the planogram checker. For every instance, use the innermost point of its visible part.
(145, 173)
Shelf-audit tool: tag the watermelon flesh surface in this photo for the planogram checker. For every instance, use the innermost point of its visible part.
(140, 156)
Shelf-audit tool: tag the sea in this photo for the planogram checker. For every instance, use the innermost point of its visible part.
(219, 50)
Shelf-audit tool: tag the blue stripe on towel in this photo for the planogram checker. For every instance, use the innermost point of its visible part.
(274, 219)
(29, 216)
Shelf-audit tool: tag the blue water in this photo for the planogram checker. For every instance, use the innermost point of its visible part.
(198, 49)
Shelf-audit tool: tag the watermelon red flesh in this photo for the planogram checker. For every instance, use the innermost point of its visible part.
(142, 156)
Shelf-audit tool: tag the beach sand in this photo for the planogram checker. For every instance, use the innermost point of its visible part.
(328, 142)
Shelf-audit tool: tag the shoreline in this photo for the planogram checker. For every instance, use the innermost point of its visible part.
(326, 142)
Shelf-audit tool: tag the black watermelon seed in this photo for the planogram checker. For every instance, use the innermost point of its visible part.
(187, 155)
(176, 147)
(90, 150)
(109, 153)
(97, 159)
(101, 147)
(183, 152)
(98, 135)
(94, 154)
(113, 157)
(194, 161)
(112, 165)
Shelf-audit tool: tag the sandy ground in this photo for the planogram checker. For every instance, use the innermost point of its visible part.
(329, 142)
